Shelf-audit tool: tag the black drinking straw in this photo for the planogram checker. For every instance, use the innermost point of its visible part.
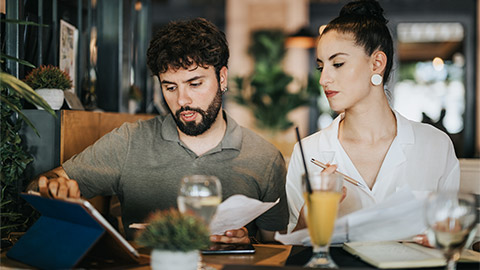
(309, 187)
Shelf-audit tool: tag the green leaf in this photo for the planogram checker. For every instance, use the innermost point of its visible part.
(10, 215)
(23, 62)
(24, 91)
(21, 22)
(17, 110)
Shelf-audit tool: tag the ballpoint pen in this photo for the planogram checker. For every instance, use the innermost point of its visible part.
(346, 177)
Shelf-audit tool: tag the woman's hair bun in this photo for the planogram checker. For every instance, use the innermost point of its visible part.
(367, 8)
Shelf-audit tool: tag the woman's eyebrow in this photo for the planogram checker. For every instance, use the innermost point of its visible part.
(332, 56)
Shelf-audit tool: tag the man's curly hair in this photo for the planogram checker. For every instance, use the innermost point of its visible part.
(181, 44)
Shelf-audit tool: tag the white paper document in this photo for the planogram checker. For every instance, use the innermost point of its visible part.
(398, 217)
(236, 212)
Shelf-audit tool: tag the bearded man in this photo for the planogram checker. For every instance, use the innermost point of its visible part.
(143, 162)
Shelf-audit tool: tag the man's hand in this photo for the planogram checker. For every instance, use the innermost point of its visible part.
(56, 184)
(239, 236)
(60, 187)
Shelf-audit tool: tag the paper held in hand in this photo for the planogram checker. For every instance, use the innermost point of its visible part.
(234, 213)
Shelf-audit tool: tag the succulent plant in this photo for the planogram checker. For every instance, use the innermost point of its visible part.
(48, 77)
(174, 231)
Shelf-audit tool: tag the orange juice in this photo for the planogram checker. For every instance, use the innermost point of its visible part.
(322, 212)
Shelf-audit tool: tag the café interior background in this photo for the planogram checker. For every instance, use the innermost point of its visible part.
(436, 76)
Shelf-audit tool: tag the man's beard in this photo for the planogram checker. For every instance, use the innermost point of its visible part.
(208, 117)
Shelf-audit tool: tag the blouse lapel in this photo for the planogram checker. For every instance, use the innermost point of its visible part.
(396, 155)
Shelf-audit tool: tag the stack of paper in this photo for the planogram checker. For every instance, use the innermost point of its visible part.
(398, 217)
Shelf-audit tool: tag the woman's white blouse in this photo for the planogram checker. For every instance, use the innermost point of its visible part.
(420, 157)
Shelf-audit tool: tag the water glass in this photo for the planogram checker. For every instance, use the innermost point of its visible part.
(451, 218)
(200, 195)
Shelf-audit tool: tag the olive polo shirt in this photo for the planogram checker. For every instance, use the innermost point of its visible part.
(143, 162)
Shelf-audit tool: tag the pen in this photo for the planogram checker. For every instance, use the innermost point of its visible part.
(346, 177)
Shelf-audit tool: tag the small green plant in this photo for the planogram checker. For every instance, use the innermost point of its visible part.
(171, 230)
(48, 77)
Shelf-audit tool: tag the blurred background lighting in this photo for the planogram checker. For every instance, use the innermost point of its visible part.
(438, 63)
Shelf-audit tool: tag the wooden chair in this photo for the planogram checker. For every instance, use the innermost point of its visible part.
(470, 183)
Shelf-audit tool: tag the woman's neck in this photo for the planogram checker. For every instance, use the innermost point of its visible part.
(369, 123)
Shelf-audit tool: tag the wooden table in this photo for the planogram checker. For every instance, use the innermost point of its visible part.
(266, 257)
(271, 255)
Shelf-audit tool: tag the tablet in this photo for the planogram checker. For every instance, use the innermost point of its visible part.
(229, 249)
(73, 228)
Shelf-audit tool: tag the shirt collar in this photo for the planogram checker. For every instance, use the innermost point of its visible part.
(405, 133)
(233, 134)
(231, 140)
(169, 129)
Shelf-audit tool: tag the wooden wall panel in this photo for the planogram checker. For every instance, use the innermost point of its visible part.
(109, 121)
(79, 129)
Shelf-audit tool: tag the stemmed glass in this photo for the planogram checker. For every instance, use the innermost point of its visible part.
(451, 217)
(321, 211)
(200, 195)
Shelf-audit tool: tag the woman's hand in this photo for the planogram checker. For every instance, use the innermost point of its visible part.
(422, 239)
(329, 170)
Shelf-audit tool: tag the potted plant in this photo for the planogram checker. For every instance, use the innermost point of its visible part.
(175, 239)
(49, 82)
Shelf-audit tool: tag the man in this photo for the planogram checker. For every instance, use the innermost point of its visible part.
(142, 163)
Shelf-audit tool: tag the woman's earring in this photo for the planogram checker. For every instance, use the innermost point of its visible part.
(225, 90)
(376, 79)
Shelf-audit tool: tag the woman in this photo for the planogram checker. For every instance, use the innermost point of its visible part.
(372, 143)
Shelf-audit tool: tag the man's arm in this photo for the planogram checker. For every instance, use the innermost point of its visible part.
(56, 184)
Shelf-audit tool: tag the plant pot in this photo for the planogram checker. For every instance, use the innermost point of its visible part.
(166, 259)
(54, 97)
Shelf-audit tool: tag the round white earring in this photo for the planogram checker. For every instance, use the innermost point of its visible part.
(376, 79)
(225, 90)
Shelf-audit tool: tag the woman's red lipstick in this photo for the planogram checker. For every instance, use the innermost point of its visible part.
(330, 94)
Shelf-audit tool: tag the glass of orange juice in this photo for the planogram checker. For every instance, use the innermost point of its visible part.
(321, 212)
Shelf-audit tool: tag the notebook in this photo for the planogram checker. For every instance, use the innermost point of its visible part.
(71, 233)
(393, 254)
